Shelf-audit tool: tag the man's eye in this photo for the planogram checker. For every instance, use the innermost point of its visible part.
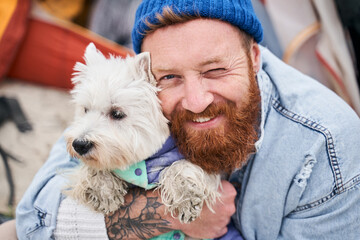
(214, 73)
(216, 70)
(167, 77)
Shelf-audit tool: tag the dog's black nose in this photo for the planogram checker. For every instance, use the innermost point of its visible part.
(82, 146)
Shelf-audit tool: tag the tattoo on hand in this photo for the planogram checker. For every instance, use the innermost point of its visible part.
(123, 225)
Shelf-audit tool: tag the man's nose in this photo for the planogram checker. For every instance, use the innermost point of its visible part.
(197, 97)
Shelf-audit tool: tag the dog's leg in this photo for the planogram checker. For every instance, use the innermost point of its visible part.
(99, 189)
(184, 188)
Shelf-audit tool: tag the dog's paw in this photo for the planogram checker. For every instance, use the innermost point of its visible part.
(189, 210)
(100, 190)
(108, 195)
(184, 202)
(105, 202)
(184, 189)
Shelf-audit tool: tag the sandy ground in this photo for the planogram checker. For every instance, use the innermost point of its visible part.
(50, 111)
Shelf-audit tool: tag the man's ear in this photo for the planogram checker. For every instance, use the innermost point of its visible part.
(255, 56)
(143, 63)
(92, 55)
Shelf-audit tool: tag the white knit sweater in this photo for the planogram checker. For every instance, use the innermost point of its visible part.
(75, 221)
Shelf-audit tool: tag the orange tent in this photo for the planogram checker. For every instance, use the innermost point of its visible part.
(44, 52)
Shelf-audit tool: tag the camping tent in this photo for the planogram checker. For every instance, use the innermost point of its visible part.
(43, 50)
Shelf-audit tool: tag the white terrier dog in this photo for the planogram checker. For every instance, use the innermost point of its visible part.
(118, 123)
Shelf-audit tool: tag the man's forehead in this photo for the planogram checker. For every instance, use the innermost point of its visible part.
(195, 28)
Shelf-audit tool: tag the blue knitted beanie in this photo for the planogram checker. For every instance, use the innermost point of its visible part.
(239, 13)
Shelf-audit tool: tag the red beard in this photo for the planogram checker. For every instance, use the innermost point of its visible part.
(223, 149)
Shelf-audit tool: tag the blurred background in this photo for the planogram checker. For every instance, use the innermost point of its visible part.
(40, 41)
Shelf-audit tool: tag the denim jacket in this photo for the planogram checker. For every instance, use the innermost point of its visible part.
(302, 182)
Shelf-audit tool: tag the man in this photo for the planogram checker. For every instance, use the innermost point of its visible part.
(286, 143)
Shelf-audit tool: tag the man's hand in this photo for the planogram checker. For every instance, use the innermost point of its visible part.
(209, 224)
(143, 217)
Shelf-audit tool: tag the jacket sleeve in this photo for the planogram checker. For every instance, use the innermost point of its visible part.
(37, 211)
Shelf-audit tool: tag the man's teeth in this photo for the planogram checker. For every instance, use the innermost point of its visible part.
(202, 119)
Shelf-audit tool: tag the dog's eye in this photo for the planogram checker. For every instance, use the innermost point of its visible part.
(117, 114)
(86, 110)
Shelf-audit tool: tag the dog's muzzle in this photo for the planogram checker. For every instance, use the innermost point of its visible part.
(82, 146)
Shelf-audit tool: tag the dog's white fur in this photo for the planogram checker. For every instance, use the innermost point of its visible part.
(119, 113)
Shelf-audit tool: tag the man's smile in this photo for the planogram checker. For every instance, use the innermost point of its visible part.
(202, 119)
(205, 122)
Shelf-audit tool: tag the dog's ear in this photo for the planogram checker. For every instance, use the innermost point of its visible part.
(143, 62)
(92, 55)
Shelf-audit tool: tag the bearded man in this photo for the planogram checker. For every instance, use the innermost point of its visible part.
(285, 142)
